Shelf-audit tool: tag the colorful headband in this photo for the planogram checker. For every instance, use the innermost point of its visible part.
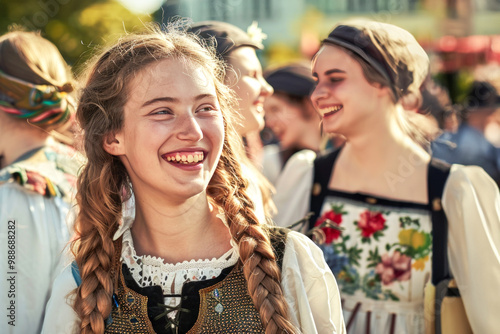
(42, 105)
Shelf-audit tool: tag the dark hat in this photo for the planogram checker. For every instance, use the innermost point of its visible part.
(294, 79)
(227, 36)
(482, 94)
(360, 43)
(369, 40)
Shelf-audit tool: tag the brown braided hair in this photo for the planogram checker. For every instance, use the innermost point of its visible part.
(104, 185)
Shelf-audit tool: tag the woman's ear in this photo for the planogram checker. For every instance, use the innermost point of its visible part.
(383, 90)
(113, 145)
(386, 93)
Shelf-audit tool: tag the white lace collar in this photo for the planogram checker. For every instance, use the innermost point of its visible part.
(149, 270)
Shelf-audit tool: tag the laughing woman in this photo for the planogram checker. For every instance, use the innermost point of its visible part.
(238, 51)
(405, 219)
(195, 258)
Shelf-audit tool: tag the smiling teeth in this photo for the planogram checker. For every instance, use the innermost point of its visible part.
(185, 158)
(331, 109)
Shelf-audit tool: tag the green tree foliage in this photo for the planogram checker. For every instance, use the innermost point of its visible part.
(76, 27)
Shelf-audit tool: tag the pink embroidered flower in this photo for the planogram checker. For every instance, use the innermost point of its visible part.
(37, 182)
(396, 268)
(370, 222)
(331, 234)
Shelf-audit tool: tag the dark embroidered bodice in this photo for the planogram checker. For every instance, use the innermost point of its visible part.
(218, 305)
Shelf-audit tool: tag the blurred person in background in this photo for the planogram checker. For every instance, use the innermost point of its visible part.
(37, 175)
(490, 72)
(492, 130)
(468, 144)
(437, 105)
(237, 49)
(291, 116)
(440, 113)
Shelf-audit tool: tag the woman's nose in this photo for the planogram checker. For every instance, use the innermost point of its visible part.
(318, 93)
(266, 89)
(189, 128)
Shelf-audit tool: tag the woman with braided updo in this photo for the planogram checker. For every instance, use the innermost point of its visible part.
(195, 258)
(37, 175)
(413, 228)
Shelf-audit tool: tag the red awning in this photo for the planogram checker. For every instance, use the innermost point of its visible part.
(463, 52)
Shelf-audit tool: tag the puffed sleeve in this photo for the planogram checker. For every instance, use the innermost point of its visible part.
(293, 188)
(310, 288)
(59, 314)
(471, 202)
(33, 236)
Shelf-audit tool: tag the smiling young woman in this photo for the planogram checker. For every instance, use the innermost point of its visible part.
(237, 49)
(195, 258)
(244, 72)
(383, 189)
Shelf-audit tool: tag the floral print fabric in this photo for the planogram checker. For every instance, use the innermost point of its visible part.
(382, 252)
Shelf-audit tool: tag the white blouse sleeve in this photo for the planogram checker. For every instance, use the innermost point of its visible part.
(59, 314)
(33, 235)
(293, 188)
(471, 201)
(310, 288)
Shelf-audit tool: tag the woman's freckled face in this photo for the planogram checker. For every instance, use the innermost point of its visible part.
(172, 111)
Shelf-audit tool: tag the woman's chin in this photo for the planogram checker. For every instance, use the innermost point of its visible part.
(261, 122)
(253, 125)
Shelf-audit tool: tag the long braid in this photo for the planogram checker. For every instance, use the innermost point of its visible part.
(102, 186)
(94, 249)
(99, 200)
(256, 253)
